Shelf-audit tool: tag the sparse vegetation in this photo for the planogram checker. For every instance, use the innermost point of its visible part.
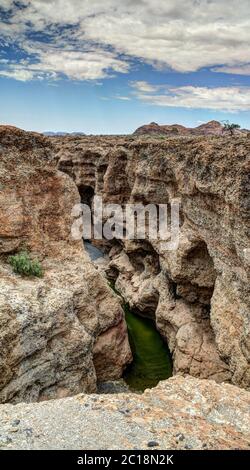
(230, 127)
(24, 265)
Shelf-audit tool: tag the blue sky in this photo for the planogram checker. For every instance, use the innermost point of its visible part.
(109, 68)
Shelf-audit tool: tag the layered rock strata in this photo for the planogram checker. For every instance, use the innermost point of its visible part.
(199, 294)
(52, 329)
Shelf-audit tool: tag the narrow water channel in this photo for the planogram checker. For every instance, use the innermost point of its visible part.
(151, 357)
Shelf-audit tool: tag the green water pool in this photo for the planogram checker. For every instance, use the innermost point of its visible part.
(151, 357)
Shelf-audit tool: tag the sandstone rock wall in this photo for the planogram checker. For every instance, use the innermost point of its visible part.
(49, 327)
(199, 293)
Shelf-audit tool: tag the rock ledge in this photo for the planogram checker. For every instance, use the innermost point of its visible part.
(180, 413)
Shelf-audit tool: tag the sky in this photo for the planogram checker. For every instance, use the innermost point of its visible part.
(107, 67)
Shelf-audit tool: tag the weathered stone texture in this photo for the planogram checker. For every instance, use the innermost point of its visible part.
(49, 326)
(180, 413)
(199, 293)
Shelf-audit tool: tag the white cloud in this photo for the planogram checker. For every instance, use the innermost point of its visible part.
(238, 70)
(144, 87)
(230, 99)
(78, 65)
(182, 35)
(6, 4)
(122, 98)
(20, 74)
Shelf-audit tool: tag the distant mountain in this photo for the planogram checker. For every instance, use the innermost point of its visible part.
(209, 128)
(154, 128)
(62, 134)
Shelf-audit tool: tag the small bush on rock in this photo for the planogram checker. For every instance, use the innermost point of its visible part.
(24, 265)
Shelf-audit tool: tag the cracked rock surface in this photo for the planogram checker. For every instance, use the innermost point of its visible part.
(180, 413)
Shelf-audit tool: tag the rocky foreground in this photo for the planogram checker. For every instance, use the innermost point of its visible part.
(180, 413)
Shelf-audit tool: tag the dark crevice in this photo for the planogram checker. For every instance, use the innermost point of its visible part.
(86, 193)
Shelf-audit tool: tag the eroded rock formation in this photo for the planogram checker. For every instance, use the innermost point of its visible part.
(51, 329)
(62, 332)
(199, 294)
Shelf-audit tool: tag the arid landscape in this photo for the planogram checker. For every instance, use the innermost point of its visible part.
(124, 233)
(65, 333)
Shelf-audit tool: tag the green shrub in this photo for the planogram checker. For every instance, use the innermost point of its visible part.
(230, 127)
(24, 265)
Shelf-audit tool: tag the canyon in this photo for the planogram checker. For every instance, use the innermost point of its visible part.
(199, 293)
(51, 327)
(63, 333)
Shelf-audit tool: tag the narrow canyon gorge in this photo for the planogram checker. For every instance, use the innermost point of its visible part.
(199, 293)
(65, 333)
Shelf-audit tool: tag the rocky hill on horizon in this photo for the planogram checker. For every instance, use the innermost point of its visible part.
(209, 128)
